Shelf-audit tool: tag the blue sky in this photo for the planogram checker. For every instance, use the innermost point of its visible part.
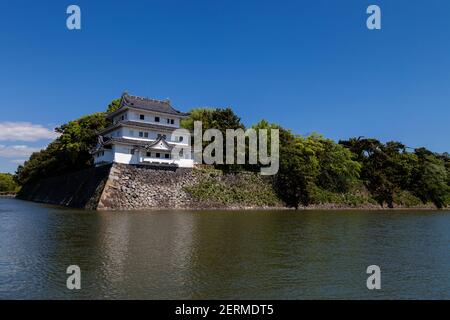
(311, 66)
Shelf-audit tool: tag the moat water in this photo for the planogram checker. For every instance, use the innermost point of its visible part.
(222, 254)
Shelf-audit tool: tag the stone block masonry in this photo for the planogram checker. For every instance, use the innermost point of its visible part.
(80, 189)
(130, 187)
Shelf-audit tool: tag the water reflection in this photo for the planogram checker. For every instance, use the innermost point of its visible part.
(221, 255)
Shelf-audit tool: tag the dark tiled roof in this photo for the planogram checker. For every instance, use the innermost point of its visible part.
(140, 143)
(149, 125)
(144, 125)
(162, 106)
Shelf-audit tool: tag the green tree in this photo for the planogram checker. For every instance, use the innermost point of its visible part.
(382, 167)
(113, 105)
(69, 152)
(286, 138)
(309, 161)
(7, 183)
(388, 170)
(223, 119)
(79, 137)
(198, 114)
(338, 172)
(299, 167)
(41, 164)
(430, 178)
(220, 119)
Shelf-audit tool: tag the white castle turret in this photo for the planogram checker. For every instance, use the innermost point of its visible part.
(143, 132)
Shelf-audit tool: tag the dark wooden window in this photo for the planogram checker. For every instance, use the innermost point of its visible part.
(142, 117)
(156, 119)
(157, 155)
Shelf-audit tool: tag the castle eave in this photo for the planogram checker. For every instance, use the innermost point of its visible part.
(137, 124)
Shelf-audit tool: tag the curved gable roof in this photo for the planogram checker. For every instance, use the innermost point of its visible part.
(162, 106)
(160, 144)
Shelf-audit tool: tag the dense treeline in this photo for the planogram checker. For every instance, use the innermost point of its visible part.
(7, 183)
(313, 169)
(388, 169)
(70, 151)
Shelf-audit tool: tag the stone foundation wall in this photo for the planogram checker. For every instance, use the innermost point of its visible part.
(132, 188)
(81, 189)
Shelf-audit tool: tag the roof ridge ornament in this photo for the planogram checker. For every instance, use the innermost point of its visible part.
(167, 100)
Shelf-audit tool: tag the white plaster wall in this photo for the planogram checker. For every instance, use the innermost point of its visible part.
(150, 118)
(107, 157)
(119, 117)
(152, 136)
(122, 155)
(185, 163)
(182, 163)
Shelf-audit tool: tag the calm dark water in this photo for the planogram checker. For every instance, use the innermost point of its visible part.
(222, 255)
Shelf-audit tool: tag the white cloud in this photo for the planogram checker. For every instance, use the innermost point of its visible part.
(24, 131)
(16, 151)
